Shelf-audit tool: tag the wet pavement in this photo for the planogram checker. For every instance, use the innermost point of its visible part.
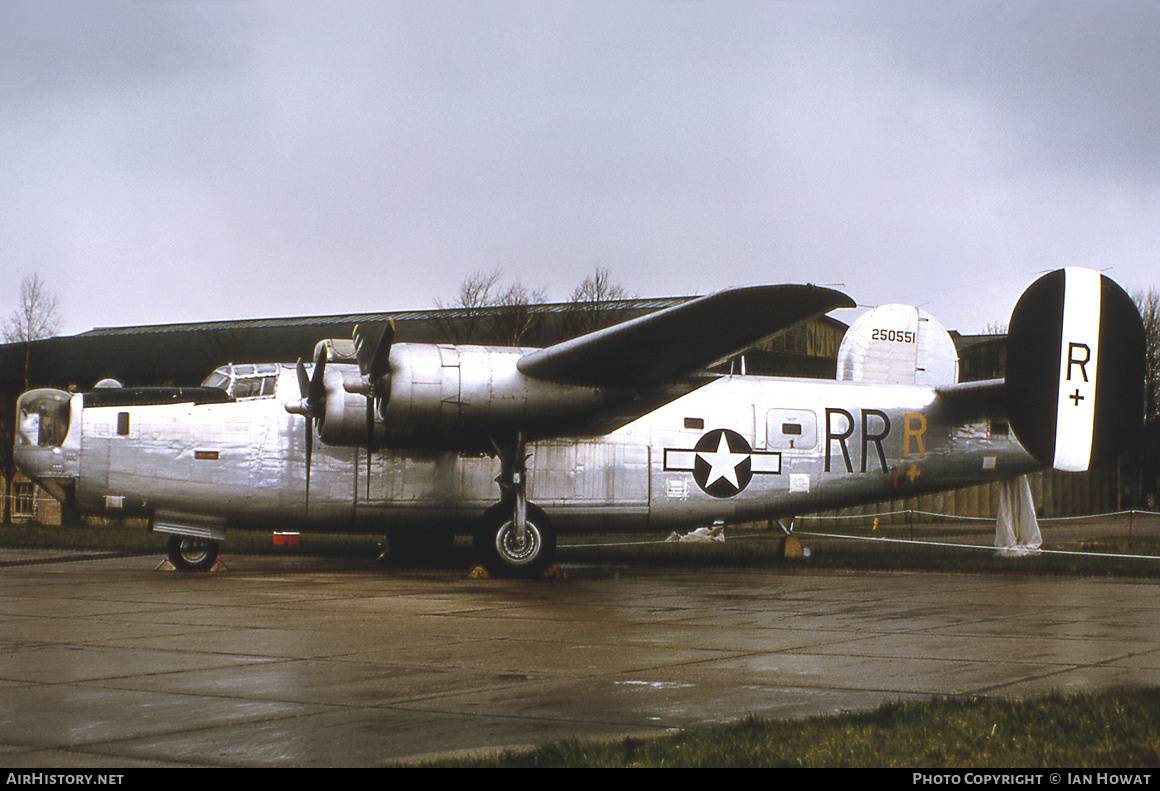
(110, 662)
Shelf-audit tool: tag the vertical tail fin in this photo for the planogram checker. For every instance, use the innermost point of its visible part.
(898, 344)
(1075, 369)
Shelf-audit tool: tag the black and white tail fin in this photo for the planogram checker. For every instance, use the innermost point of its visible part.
(1075, 369)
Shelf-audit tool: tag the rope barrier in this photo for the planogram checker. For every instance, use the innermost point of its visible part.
(981, 546)
(952, 545)
(954, 517)
(880, 539)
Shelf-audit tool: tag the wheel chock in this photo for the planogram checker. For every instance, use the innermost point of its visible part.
(165, 565)
(789, 547)
(554, 572)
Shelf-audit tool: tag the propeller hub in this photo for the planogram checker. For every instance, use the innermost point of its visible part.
(298, 407)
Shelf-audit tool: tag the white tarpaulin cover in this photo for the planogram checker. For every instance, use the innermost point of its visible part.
(1016, 526)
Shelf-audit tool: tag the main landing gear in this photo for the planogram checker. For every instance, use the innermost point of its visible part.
(187, 553)
(515, 538)
(505, 552)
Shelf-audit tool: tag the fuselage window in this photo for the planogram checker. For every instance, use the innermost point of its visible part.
(791, 429)
(123, 424)
(695, 422)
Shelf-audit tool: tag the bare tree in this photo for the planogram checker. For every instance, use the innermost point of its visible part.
(37, 317)
(593, 303)
(598, 287)
(1149, 307)
(475, 292)
(514, 323)
(476, 289)
(1140, 469)
(483, 313)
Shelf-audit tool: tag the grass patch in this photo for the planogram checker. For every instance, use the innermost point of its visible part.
(98, 537)
(1118, 728)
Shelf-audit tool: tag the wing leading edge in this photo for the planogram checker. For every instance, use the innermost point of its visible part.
(680, 340)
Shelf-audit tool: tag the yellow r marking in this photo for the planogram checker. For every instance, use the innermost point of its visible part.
(908, 431)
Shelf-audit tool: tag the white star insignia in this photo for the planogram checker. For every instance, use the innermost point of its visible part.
(722, 463)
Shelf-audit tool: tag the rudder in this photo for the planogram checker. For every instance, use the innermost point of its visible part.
(1075, 369)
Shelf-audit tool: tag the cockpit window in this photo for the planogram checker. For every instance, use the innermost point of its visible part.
(217, 379)
(245, 381)
(254, 386)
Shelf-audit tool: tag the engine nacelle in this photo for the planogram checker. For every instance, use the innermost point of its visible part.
(441, 393)
(344, 418)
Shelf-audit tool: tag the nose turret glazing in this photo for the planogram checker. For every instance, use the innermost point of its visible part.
(47, 450)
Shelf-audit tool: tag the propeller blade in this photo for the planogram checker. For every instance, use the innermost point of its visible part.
(373, 350)
(303, 380)
(372, 347)
(306, 410)
(313, 390)
(370, 439)
(317, 395)
(381, 362)
(309, 453)
(371, 445)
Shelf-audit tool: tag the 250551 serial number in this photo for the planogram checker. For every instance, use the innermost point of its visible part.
(894, 336)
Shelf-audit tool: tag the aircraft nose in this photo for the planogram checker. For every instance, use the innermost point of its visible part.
(51, 468)
(43, 450)
(39, 462)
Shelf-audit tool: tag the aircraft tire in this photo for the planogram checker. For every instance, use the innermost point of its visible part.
(504, 556)
(192, 554)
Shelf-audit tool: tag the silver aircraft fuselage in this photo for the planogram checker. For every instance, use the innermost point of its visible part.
(740, 448)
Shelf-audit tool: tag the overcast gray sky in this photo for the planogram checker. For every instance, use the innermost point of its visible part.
(214, 159)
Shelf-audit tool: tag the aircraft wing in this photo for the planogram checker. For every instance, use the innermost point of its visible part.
(678, 341)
